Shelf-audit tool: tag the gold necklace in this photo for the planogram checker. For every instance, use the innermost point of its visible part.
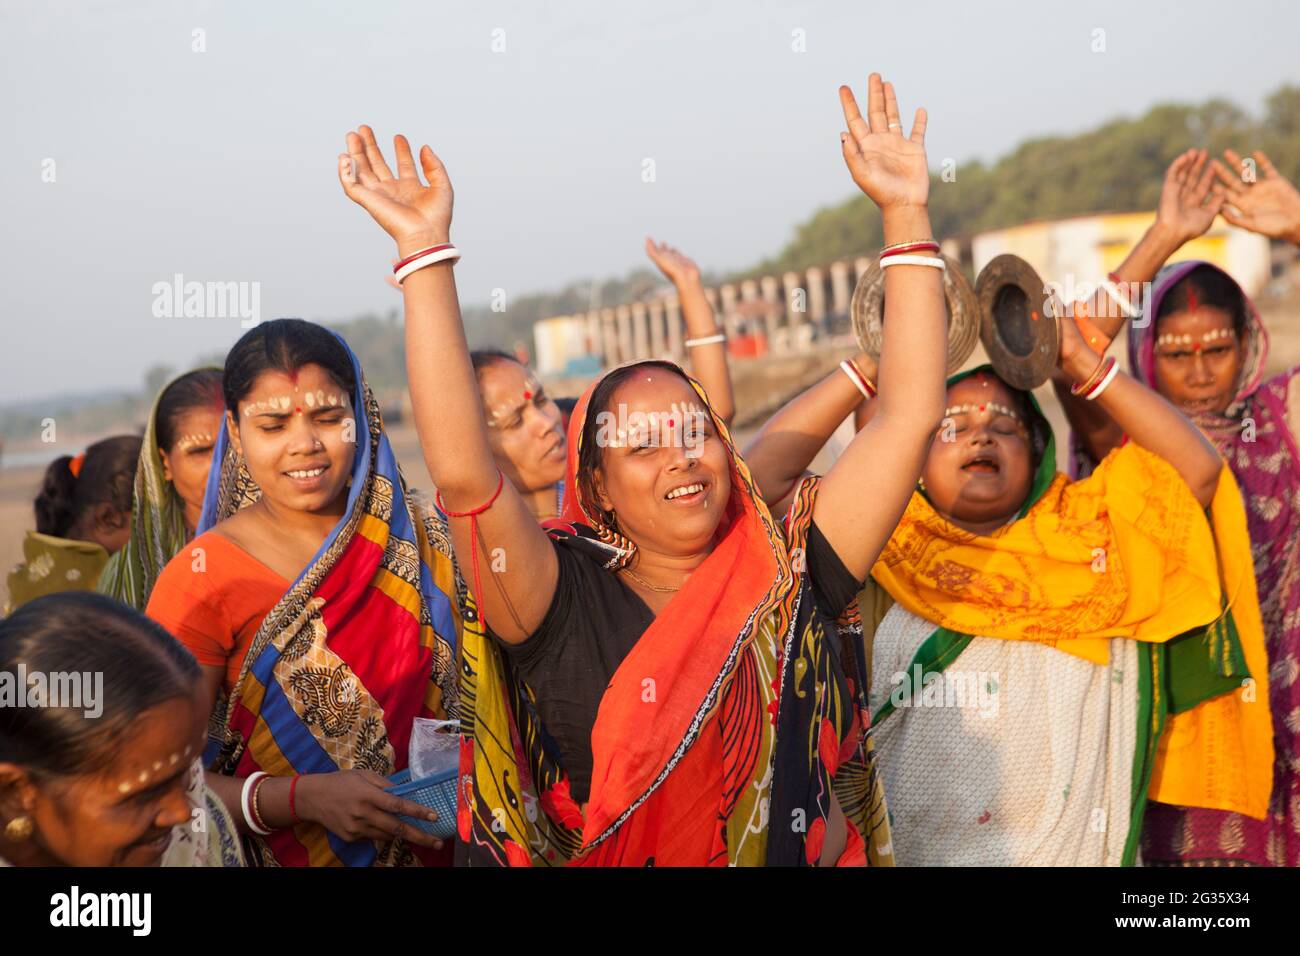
(653, 587)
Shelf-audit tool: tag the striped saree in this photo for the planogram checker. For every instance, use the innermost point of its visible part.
(362, 643)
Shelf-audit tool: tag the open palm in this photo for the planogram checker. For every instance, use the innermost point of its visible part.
(678, 267)
(887, 166)
(1189, 198)
(1270, 205)
(414, 214)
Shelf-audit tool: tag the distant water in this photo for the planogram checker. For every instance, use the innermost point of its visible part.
(31, 458)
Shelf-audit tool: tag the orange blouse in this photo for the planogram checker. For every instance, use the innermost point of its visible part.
(213, 596)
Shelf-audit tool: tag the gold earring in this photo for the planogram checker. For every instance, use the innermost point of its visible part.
(19, 829)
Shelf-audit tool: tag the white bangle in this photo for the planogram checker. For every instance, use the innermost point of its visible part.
(708, 340)
(932, 261)
(1104, 383)
(442, 255)
(1120, 299)
(245, 804)
(848, 370)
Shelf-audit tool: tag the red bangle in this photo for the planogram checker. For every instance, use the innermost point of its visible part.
(862, 379)
(415, 255)
(928, 246)
(1088, 388)
(293, 810)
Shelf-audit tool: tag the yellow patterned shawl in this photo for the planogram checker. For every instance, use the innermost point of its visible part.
(1126, 552)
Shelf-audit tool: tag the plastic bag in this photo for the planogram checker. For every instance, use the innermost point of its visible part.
(435, 747)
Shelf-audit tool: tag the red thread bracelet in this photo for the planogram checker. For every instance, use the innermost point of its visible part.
(293, 810)
(415, 255)
(473, 536)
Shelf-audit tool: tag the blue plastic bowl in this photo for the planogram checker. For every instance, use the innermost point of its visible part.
(437, 792)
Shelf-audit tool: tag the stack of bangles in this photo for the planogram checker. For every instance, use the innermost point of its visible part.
(425, 257)
(1098, 381)
(898, 254)
(860, 381)
(248, 801)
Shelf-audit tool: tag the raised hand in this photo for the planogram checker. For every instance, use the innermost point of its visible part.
(1270, 205)
(678, 268)
(415, 215)
(887, 166)
(1074, 348)
(1190, 198)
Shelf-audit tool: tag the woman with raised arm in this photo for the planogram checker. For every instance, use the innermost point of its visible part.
(528, 429)
(1201, 343)
(170, 479)
(1045, 653)
(319, 599)
(659, 681)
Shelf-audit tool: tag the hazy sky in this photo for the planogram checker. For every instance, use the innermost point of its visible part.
(220, 165)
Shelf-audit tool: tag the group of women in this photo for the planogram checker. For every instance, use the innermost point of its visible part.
(661, 651)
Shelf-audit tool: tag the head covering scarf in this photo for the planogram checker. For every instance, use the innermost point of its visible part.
(363, 642)
(51, 565)
(1169, 574)
(754, 719)
(1259, 446)
(157, 525)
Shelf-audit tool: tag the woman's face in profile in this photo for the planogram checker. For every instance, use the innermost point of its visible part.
(123, 815)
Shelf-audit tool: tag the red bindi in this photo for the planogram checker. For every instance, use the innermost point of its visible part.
(527, 395)
(298, 409)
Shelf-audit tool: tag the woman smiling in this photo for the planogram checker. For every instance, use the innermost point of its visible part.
(318, 604)
(660, 682)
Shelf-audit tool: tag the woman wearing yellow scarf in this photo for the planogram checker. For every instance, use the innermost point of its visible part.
(1048, 655)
